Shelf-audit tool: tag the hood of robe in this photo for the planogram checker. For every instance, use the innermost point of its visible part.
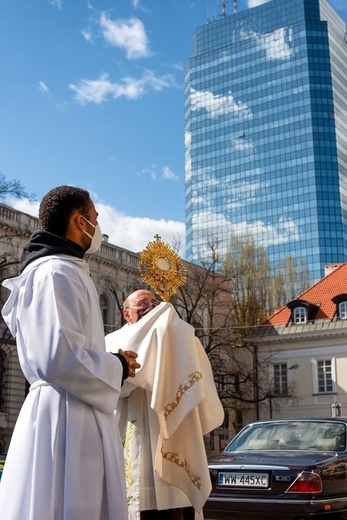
(42, 243)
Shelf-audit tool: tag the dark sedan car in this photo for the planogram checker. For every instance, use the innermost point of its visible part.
(293, 469)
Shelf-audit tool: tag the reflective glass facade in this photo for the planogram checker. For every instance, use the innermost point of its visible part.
(265, 133)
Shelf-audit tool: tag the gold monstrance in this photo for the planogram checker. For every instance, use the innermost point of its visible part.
(161, 268)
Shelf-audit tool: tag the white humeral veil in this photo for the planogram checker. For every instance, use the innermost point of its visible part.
(164, 412)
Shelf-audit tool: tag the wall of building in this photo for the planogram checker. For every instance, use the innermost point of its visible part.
(307, 400)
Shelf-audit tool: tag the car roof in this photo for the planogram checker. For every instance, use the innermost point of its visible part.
(303, 419)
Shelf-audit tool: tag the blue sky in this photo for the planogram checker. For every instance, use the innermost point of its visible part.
(92, 95)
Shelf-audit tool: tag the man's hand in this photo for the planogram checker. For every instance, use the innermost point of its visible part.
(130, 357)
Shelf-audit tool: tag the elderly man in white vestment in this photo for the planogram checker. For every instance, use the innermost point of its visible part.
(65, 460)
(164, 412)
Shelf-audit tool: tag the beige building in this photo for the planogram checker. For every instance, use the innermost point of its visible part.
(305, 345)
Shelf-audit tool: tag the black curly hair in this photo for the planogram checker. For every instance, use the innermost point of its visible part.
(57, 206)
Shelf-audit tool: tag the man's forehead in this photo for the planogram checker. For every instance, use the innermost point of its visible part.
(144, 295)
(91, 208)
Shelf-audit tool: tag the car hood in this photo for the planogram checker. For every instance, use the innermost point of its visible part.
(271, 458)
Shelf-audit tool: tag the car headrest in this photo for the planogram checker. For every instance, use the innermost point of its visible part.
(330, 444)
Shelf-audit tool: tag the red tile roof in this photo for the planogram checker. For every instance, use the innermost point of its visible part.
(319, 294)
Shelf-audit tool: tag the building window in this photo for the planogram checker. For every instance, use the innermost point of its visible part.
(325, 380)
(106, 313)
(341, 305)
(238, 420)
(343, 310)
(302, 311)
(280, 379)
(237, 382)
(299, 315)
(222, 383)
(2, 371)
(225, 426)
(104, 308)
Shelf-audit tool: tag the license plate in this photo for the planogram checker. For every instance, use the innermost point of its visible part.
(258, 480)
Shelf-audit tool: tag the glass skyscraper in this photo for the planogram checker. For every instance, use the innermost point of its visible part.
(266, 133)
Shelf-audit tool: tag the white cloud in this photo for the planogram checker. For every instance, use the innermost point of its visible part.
(240, 194)
(168, 174)
(246, 191)
(255, 3)
(87, 35)
(151, 171)
(178, 66)
(129, 35)
(134, 233)
(99, 90)
(125, 231)
(187, 138)
(277, 44)
(217, 104)
(224, 56)
(24, 205)
(188, 158)
(56, 3)
(241, 144)
(165, 174)
(43, 87)
(264, 235)
(283, 231)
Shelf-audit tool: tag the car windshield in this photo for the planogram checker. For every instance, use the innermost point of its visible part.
(291, 435)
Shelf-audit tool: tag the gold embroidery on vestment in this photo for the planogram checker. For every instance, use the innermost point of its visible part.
(193, 378)
(174, 457)
(129, 477)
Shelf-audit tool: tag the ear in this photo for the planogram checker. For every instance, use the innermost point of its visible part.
(79, 221)
(75, 221)
(75, 225)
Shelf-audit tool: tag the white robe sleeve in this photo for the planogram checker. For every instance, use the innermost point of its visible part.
(58, 306)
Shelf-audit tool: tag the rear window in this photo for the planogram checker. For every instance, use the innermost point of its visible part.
(291, 435)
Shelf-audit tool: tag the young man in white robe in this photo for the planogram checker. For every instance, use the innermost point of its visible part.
(164, 412)
(65, 460)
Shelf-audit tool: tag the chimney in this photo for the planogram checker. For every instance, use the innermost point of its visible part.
(329, 268)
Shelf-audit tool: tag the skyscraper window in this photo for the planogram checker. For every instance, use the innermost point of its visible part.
(265, 133)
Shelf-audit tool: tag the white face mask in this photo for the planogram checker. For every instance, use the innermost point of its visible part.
(96, 239)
